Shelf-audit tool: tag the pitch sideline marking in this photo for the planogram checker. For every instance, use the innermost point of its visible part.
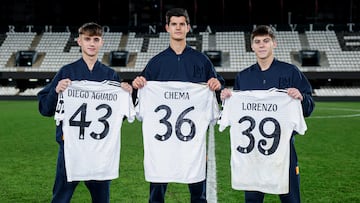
(211, 190)
(339, 116)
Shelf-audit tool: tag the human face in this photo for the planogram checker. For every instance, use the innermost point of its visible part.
(263, 46)
(90, 45)
(177, 28)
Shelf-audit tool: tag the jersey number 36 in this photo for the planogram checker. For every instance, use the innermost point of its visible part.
(179, 122)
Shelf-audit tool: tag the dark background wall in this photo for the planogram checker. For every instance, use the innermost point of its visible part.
(202, 12)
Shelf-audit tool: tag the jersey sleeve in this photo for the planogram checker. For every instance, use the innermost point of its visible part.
(298, 119)
(128, 109)
(216, 111)
(131, 114)
(138, 106)
(59, 111)
(224, 120)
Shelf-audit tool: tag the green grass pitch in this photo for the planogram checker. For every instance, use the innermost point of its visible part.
(328, 153)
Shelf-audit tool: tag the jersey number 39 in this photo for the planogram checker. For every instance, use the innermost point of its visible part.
(262, 142)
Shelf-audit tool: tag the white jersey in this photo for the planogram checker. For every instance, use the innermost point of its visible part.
(92, 115)
(261, 125)
(175, 117)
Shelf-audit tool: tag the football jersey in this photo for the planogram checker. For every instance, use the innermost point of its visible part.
(91, 114)
(261, 125)
(175, 117)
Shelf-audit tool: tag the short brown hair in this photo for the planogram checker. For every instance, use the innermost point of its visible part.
(91, 29)
(178, 12)
(262, 30)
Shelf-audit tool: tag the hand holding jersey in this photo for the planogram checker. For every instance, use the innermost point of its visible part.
(292, 92)
(261, 125)
(175, 117)
(92, 114)
(140, 81)
(179, 62)
(267, 73)
(80, 125)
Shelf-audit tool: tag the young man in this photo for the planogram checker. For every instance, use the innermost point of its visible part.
(87, 68)
(179, 62)
(269, 73)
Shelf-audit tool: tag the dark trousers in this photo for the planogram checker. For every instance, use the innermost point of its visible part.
(63, 190)
(197, 192)
(294, 185)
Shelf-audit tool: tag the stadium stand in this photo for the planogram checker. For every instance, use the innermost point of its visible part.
(337, 91)
(336, 75)
(8, 91)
